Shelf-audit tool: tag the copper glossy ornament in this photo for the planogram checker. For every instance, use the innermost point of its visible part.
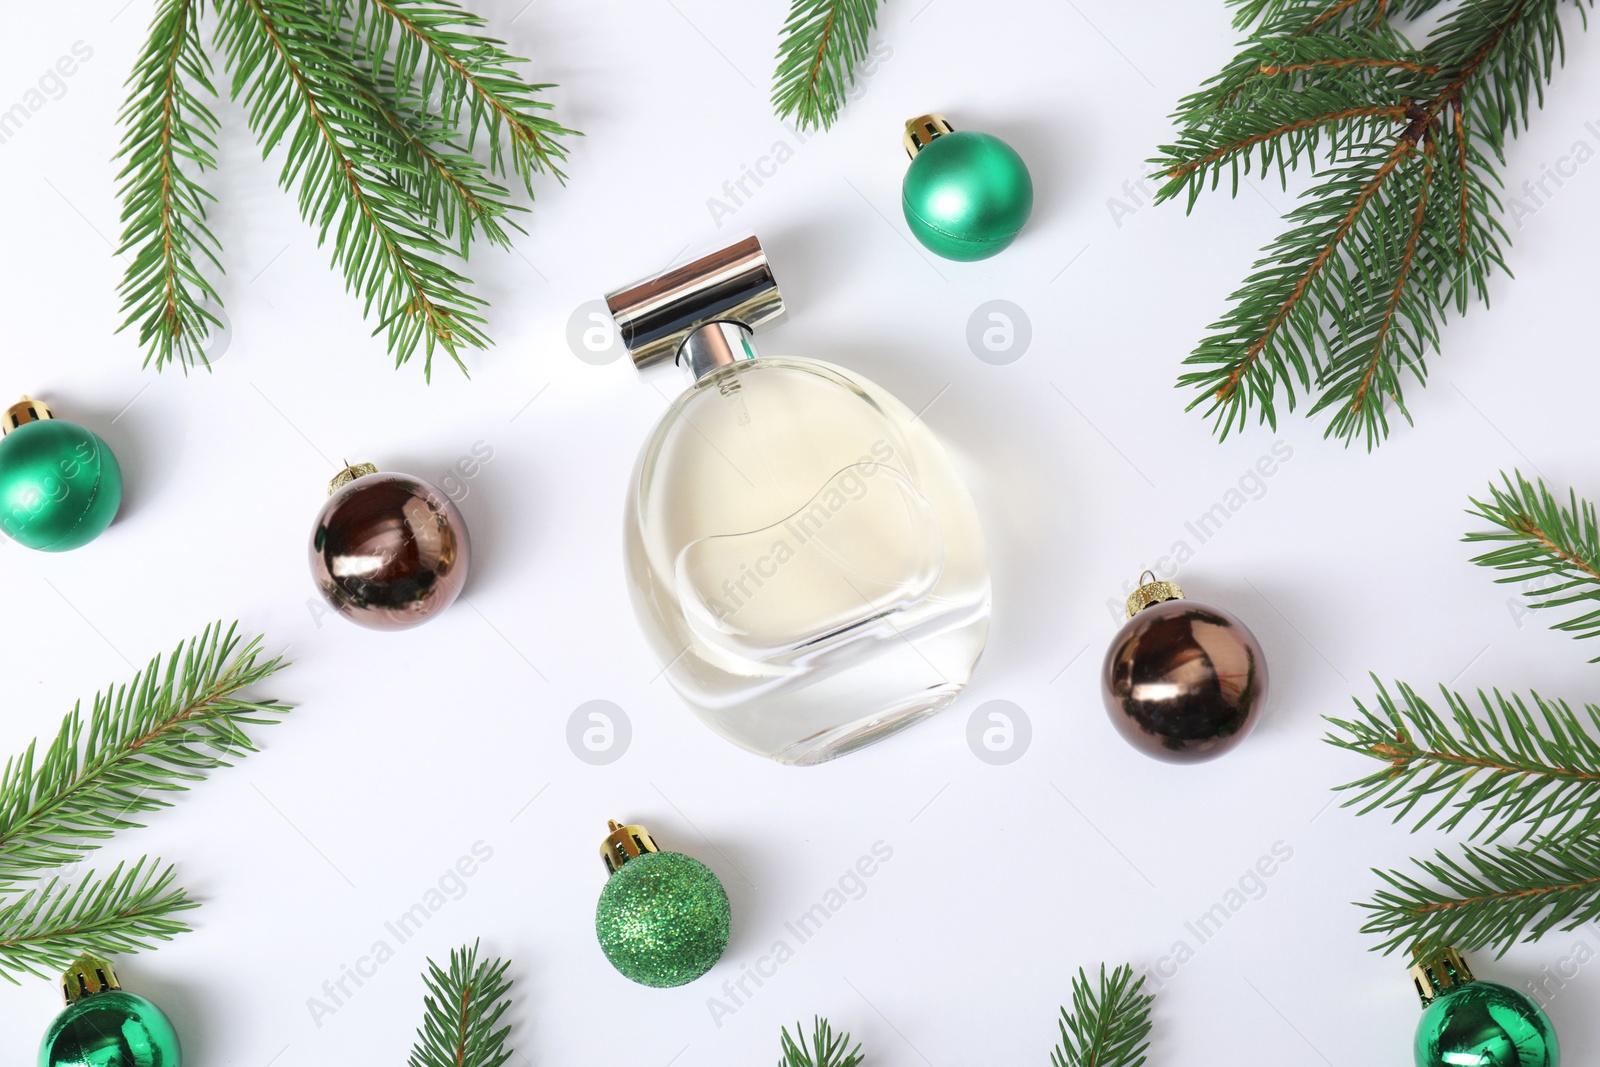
(389, 551)
(1183, 681)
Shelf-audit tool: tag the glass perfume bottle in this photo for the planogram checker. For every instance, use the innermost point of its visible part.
(802, 555)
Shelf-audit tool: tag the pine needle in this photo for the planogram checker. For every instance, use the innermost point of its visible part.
(461, 1011)
(827, 1049)
(1109, 1025)
(823, 41)
(1402, 226)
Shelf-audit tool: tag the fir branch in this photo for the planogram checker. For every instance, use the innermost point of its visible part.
(166, 127)
(297, 84)
(823, 42)
(462, 1009)
(1324, 16)
(1382, 340)
(440, 61)
(1286, 102)
(827, 1049)
(1271, 339)
(1547, 543)
(164, 729)
(1489, 898)
(381, 105)
(44, 928)
(449, 183)
(1403, 224)
(1530, 765)
(1108, 1026)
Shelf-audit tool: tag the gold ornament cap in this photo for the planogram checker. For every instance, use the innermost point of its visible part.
(351, 472)
(1151, 593)
(1439, 972)
(923, 130)
(625, 843)
(23, 412)
(87, 976)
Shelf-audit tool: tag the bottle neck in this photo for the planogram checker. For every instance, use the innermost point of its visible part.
(714, 346)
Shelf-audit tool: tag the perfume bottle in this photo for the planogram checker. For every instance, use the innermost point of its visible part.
(802, 556)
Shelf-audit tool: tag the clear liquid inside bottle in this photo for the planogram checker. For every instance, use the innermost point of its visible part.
(804, 559)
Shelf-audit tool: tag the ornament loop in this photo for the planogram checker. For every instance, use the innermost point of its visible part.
(625, 843)
(23, 412)
(87, 976)
(351, 472)
(923, 130)
(1439, 972)
(1151, 592)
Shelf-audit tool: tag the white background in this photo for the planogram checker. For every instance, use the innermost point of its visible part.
(408, 748)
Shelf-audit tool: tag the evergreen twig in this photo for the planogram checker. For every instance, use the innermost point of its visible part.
(823, 41)
(1489, 897)
(154, 735)
(462, 1011)
(300, 87)
(441, 65)
(1109, 1024)
(449, 183)
(1531, 765)
(169, 726)
(826, 1049)
(164, 290)
(42, 929)
(1547, 543)
(1402, 224)
(381, 106)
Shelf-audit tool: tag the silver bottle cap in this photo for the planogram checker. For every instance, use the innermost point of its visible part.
(734, 285)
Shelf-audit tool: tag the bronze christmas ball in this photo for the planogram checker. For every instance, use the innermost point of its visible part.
(1183, 682)
(389, 551)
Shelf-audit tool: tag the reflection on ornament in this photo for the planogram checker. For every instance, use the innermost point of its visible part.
(966, 195)
(388, 551)
(103, 1026)
(663, 917)
(1182, 681)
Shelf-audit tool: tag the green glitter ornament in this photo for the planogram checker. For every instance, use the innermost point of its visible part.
(106, 1027)
(966, 195)
(1482, 1024)
(60, 486)
(663, 917)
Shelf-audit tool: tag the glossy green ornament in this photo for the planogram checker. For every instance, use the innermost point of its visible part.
(663, 917)
(1468, 1023)
(60, 486)
(103, 1026)
(966, 194)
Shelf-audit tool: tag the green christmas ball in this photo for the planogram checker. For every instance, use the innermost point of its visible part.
(966, 194)
(1486, 1024)
(111, 1029)
(663, 919)
(60, 486)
